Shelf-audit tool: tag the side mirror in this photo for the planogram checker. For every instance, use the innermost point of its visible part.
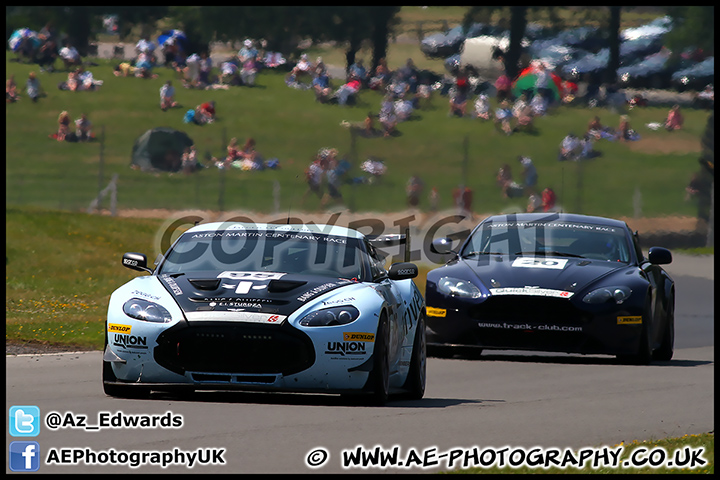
(441, 246)
(403, 271)
(135, 261)
(659, 256)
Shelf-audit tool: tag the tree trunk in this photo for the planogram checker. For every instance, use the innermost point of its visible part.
(518, 21)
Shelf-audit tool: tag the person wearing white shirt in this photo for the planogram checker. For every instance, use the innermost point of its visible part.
(70, 56)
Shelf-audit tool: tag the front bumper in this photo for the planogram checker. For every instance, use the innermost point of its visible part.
(533, 323)
(245, 356)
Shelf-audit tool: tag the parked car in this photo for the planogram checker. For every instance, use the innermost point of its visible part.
(442, 45)
(696, 77)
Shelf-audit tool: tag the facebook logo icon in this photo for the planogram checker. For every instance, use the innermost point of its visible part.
(24, 421)
(24, 456)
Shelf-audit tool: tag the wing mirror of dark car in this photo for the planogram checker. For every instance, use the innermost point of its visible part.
(441, 246)
(659, 256)
(135, 261)
(403, 271)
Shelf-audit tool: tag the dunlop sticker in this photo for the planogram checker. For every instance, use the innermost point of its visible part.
(629, 320)
(358, 337)
(117, 328)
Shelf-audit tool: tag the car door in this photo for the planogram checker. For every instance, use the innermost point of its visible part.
(395, 307)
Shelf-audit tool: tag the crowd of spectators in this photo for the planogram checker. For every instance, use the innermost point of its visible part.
(405, 91)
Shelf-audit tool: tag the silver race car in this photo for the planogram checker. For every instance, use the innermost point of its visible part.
(297, 308)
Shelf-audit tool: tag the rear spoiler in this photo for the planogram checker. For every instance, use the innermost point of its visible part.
(391, 240)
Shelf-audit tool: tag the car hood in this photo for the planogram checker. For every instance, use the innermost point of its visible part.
(269, 293)
(554, 273)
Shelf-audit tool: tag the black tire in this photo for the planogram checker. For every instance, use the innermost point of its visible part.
(381, 364)
(666, 350)
(644, 351)
(417, 376)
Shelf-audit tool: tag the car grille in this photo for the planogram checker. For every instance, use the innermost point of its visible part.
(235, 348)
(553, 322)
(556, 311)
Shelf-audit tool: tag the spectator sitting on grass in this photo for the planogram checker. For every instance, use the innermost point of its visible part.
(70, 56)
(11, 93)
(83, 128)
(230, 72)
(509, 187)
(63, 126)
(503, 86)
(597, 130)
(189, 160)
(529, 173)
(625, 131)
(301, 72)
(357, 70)
(387, 116)
(33, 88)
(247, 51)
(403, 109)
(73, 82)
(503, 118)
(482, 107)
(674, 119)
(167, 96)
(458, 99)
(249, 70)
(144, 66)
(321, 85)
(548, 200)
(382, 76)
(570, 148)
(205, 65)
(248, 152)
(523, 113)
(348, 91)
(539, 104)
(191, 71)
(205, 113)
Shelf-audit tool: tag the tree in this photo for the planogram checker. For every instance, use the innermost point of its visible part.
(692, 27)
(518, 22)
(614, 40)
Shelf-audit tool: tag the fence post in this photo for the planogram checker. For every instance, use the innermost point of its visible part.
(112, 190)
(710, 240)
(637, 203)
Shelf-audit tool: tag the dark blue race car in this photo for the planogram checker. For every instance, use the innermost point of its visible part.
(552, 282)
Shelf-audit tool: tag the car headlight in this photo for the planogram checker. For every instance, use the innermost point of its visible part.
(458, 288)
(146, 311)
(329, 317)
(608, 294)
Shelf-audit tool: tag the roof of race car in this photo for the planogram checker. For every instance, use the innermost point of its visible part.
(333, 230)
(556, 217)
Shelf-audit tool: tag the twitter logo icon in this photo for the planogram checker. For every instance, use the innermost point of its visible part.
(24, 421)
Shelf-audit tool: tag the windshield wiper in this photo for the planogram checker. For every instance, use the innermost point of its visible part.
(551, 253)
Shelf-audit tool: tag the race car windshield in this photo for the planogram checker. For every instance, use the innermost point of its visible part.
(305, 253)
(549, 238)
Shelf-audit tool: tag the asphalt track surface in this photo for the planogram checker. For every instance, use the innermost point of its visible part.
(504, 399)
